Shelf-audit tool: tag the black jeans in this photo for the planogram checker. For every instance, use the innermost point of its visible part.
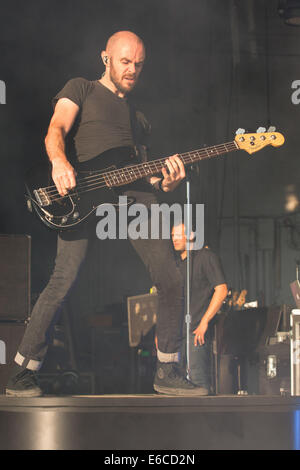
(157, 256)
(200, 358)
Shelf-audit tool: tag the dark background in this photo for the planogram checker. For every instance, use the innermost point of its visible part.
(212, 66)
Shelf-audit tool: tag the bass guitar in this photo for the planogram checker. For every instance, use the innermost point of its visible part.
(95, 184)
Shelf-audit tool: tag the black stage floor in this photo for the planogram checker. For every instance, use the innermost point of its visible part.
(150, 422)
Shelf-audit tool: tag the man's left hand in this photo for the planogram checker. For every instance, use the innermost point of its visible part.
(173, 173)
(199, 332)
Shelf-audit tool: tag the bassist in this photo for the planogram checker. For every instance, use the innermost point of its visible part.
(99, 115)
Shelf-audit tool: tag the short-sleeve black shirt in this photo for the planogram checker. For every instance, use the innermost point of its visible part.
(104, 121)
(206, 274)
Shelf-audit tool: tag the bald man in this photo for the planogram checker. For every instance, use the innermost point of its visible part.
(105, 124)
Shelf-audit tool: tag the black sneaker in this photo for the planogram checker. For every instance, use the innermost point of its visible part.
(24, 384)
(170, 380)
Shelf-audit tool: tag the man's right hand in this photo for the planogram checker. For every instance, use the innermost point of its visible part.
(63, 175)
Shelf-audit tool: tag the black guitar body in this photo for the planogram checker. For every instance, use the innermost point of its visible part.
(65, 213)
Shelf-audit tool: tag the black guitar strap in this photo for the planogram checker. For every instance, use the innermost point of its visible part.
(133, 122)
(140, 128)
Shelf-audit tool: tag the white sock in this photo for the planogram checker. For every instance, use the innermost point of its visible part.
(31, 365)
(167, 357)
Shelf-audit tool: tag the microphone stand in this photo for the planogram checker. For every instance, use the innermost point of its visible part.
(188, 227)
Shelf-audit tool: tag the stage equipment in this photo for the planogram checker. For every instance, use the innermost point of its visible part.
(142, 316)
(188, 231)
(290, 11)
(15, 253)
(295, 352)
(11, 334)
(274, 353)
(236, 361)
(252, 351)
(295, 286)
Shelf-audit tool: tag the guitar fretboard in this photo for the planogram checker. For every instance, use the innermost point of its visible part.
(132, 173)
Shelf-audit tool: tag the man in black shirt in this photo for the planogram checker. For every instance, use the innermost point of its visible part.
(208, 290)
(104, 122)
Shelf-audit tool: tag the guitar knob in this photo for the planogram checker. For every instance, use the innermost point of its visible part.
(261, 130)
(240, 131)
(64, 220)
(76, 215)
(272, 129)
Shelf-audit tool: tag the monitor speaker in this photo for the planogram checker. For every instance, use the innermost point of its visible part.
(11, 335)
(15, 255)
(142, 315)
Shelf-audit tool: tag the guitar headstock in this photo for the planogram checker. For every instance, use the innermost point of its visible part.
(254, 142)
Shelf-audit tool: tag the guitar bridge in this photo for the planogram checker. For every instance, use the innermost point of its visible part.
(42, 197)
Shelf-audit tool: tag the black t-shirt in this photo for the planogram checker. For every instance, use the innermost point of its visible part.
(105, 121)
(206, 274)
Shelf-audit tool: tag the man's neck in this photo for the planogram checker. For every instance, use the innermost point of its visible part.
(111, 86)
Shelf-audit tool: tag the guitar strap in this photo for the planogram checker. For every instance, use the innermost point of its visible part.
(139, 128)
(134, 124)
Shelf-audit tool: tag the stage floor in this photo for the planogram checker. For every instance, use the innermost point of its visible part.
(150, 422)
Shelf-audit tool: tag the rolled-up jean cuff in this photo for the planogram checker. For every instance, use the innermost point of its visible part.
(28, 363)
(167, 357)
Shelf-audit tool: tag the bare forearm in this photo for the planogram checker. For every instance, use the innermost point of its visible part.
(215, 303)
(214, 306)
(63, 174)
(55, 144)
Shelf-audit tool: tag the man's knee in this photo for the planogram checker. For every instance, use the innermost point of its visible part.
(65, 274)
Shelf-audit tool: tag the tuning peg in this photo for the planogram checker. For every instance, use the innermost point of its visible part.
(272, 129)
(261, 130)
(240, 131)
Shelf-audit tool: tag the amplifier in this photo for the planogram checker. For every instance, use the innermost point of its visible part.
(11, 335)
(142, 316)
(15, 255)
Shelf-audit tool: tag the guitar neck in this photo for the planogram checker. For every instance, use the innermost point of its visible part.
(132, 173)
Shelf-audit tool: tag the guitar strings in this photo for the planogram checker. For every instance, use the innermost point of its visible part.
(154, 163)
(149, 164)
(88, 183)
(101, 181)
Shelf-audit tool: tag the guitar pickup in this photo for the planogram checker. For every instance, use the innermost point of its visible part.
(42, 197)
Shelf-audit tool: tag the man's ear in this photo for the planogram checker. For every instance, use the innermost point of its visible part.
(104, 57)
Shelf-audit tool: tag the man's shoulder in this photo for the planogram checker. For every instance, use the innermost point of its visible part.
(76, 89)
(205, 254)
(80, 82)
(205, 251)
(209, 264)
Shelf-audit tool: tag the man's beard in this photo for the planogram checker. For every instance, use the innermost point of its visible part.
(118, 84)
